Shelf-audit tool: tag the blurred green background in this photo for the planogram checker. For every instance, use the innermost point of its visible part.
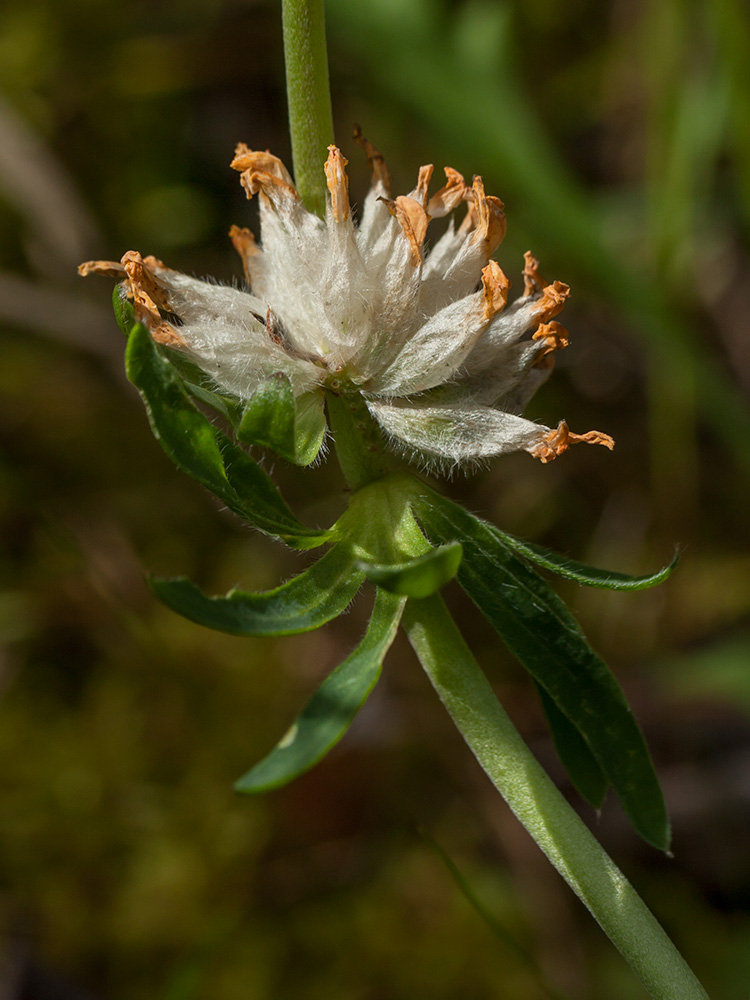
(618, 134)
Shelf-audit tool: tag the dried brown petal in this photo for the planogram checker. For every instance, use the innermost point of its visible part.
(244, 243)
(107, 268)
(375, 160)
(413, 220)
(496, 287)
(486, 217)
(532, 279)
(261, 171)
(423, 182)
(553, 299)
(554, 335)
(559, 440)
(449, 196)
(338, 183)
(148, 298)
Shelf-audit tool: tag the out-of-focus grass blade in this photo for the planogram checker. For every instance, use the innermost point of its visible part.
(489, 918)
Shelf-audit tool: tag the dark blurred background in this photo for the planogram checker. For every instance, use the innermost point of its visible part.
(618, 134)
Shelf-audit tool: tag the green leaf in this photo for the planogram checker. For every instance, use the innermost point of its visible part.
(330, 711)
(418, 577)
(124, 312)
(583, 770)
(273, 419)
(589, 576)
(304, 603)
(228, 406)
(544, 636)
(204, 452)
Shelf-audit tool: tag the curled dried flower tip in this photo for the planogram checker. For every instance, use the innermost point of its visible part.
(495, 286)
(449, 196)
(260, 161)
(413, 220)
(554, 335)
(244, 243)
(559, 440)
(264, 172)
(338, 183)
(532, 279)
(553, 299)
(375, 160)
(107, 268)
(149, 297)
(486, 217)
(423, 183)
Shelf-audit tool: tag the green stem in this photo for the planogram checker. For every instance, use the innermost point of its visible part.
(551, 821)
(359, 443)
(309, 98)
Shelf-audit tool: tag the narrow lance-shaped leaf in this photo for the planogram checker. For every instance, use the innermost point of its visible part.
(588, 778)
(547, 640)
(204, 452)
(330, 711)
(304, 603)
(417, 577)
(589, 576)
(292, 428)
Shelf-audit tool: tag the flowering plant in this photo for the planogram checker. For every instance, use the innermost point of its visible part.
(402, 351)
(359, 336)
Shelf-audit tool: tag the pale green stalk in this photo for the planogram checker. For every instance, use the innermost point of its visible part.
(308, 96)
(525, 786)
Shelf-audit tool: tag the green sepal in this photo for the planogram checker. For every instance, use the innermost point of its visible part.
(123, 309)
(204, 452)
(330, 711)
(589, 576)
(198, 386)
(292, 428)
(419, 577)
(587, 777)
(306, 602)
(538, 628)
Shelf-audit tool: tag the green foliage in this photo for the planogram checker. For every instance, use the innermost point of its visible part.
(306, 602)
(272, 419)
(419, 577)
(123, 309)
(587, 776)
(589, 576)
(541, 632)
(594, 729)
(204, 452)
(330, 711)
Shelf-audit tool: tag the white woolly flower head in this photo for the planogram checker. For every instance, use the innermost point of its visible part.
(444, 365)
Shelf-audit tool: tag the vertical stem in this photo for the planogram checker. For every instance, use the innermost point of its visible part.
(308, 96)
(359, 443)
(551, 821)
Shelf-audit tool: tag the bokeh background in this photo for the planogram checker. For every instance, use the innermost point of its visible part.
(618, 134)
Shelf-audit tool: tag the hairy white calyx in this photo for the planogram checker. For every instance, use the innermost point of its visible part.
(425, 336)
